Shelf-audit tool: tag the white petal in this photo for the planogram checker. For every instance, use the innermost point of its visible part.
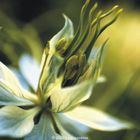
(67, 31)
(7, 75)
(51, 61)
(8, 97)
(44, 130)
(10, 82)
(64, 99)
(30, 70)
(16, 122)
(97, 119)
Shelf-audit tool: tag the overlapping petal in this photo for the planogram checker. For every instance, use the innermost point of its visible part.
(16, 122)
(10, 86)
(51, 60)
(44, 130)
(30, 70)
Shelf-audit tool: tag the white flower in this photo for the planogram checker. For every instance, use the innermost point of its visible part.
(68, 73)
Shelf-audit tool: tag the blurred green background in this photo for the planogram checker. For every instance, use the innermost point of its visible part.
(28, 25)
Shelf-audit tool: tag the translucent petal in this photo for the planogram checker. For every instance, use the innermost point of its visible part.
(16, 122)
(44, 130)
(97, 119)
(63, 99)
(30, 70)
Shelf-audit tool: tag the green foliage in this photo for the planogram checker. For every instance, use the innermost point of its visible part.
(16, 40)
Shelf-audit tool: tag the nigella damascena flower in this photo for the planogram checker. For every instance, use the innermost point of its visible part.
(69, 70)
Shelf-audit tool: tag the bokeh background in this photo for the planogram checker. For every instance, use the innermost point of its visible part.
(29, 24)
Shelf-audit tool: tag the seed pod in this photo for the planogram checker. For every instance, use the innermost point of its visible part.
(88, 72)
(61, 46)
(82, 61)
(81, 65)
(71, 69)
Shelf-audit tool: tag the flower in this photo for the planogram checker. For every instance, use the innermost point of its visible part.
(69, 70)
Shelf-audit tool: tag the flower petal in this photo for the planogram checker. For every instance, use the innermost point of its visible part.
(73, 127)
(66, 32)
(63, 131)
(7, 75)
(51, 60)
(21, 78)
(10, 82)
(7, 97)
(64, 99)
(97, 119)
(44, 130)
(16, 122)
(50, 67)
(30, 70)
